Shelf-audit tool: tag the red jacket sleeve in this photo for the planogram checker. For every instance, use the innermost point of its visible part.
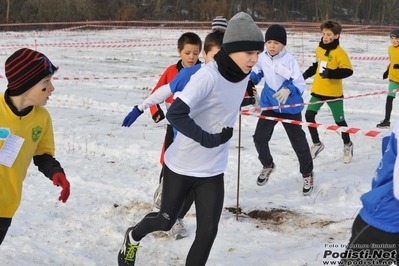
(169, 74)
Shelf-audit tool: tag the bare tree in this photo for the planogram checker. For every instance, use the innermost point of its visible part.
(392, 8)
(8, 10)
(346, 11)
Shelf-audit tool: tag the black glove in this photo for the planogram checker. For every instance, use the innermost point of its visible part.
(304, 76)
(226, 134)
(250, 88)
(385, 75)
(248, 101)
(396, 66)
(159, 115)
(326, 73)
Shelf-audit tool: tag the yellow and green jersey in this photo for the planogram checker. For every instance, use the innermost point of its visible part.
(336, 59)
(37, 131)
(393, 74)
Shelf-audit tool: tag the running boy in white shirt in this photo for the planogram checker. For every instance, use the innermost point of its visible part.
(204, 114)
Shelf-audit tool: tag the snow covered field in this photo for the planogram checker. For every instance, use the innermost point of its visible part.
(114, 171)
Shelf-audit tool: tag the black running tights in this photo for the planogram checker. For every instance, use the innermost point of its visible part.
(4, 225)
(208, 197)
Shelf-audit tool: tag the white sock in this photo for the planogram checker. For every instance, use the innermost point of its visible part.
(132, 241)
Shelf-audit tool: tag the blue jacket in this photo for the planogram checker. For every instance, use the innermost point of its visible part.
(278, 72)
(381, 203)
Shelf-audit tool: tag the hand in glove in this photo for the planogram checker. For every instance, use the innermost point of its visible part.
(326, 73)
(282, 95)
(251, 89)
(396, 66)
(59, 179)
(385, 75)
(159, 115)
(226, 134)
(248, 101)
(131, 117)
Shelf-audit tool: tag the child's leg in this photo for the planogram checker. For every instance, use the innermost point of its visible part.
(299, 143)
(388, 108)
(169, 137)
(4, 225)
(364, 235)
(337, 110)
(175, 191)
(310, 117)
(187, 205)
(263, 133)
(392, 87)
(209, 196)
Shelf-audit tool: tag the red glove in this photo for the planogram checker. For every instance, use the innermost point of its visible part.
(59, 179)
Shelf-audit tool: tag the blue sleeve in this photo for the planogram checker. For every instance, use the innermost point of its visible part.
(182, 78)
(178, 117)
(290, 85)
(256, 77)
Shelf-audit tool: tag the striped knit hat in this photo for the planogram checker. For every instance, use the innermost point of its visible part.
(219, 23)
(25, 68)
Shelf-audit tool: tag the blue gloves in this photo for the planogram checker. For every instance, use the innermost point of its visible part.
(131, 117)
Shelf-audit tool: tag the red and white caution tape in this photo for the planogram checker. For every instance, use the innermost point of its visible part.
(350, 130)
(362, 58)
(258, 109)
(85, 45)
(98, 78)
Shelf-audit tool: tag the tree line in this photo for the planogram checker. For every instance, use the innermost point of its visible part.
(373, 12)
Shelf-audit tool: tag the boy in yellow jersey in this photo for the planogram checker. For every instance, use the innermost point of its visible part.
(26, 130)
(392, 73)
(331, 66)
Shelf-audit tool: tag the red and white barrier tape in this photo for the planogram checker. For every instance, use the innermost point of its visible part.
(350, 130)
(97, 78)
(258, 109)
(85, 45)
(365, 58)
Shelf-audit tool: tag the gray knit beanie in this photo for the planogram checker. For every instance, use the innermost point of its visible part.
(242, 34)
(394, 33)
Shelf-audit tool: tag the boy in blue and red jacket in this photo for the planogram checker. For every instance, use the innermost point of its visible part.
(376, 228)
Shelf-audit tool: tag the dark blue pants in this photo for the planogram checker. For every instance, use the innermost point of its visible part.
(364, 236)
(4, 225)
(263, 134)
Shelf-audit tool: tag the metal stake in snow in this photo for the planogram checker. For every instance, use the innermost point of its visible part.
(238, 166)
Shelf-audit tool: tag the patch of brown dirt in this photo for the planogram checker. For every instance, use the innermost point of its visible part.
(275, 218)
